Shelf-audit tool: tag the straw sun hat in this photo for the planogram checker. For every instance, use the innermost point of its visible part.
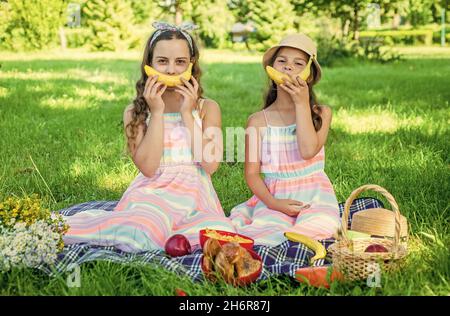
(299, 41)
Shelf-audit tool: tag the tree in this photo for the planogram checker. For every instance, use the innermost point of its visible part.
(272, 20)
(145, 11)
(419, 12)
(349, 12)
(31, 25)
(110, 23)
(213, 18)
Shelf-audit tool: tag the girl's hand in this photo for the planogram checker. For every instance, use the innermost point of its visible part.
(289, 207)
(190, 94)
(152, 94)
(298, 90)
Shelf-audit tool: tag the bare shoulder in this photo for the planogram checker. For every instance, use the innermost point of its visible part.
(209, 105)
(209, 108)
(323, 110)
(128, 113)
(256, 119)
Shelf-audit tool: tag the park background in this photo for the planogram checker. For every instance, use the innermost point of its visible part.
(68, 69)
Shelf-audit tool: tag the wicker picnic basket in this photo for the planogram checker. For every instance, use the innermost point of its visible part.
(349, 256)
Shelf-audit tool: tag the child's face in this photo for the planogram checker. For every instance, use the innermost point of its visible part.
(171, 57)
(290, 60)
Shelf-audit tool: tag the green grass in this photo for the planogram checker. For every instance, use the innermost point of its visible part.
(390, 127)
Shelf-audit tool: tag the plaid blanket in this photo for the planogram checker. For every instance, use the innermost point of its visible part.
(283, 259)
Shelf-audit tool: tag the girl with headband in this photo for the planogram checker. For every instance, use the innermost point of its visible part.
(164, 125)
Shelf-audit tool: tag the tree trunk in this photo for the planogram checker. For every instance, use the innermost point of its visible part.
(355, 22)
(345, 27)
(178, 13)
(396, 21)
(62, 38)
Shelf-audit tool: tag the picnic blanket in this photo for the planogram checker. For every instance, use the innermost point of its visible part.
(283, 259)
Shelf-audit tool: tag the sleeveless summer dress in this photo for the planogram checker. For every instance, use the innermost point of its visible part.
(288, 176)
(178, 199)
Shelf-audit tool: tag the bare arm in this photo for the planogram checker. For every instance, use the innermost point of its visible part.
(148, 148)
(309, 141)
(210, 153)
(253, 170)
(252, 167)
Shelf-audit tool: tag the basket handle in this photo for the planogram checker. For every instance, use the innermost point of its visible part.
(390, 199)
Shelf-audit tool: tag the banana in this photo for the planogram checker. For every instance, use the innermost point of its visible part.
(278, 76)
(318, 248)
(304, 75)
(169, 80)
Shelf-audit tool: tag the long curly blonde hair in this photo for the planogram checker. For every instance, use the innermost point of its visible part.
(140, 109)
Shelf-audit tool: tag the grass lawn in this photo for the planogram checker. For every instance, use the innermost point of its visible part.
(63, 111)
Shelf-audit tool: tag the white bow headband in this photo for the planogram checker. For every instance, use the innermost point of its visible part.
(183, 28)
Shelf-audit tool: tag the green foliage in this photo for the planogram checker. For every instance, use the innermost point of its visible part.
(372, 49)
(5, 18)
(213, 18)
(344, 10)
(77, 37)
(419, 11)
(30, 25)
(331, 49)
(110, 23)
(424, 36)
(145, 11)
(272, 19)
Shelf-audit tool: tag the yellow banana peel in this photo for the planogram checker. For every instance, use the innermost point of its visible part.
(278, 76)
(169, 80)
(316, 246)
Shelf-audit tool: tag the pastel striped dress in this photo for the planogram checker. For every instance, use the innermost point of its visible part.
(178, 199)
(288, 176)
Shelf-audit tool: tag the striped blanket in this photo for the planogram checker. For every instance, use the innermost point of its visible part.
(283, 259)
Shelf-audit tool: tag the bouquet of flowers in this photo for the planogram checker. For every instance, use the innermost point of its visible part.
(29, 234)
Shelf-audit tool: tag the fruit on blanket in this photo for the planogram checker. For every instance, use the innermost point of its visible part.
(232, 252)
(246, 265)
(318, 276)
(233, 263)
(177, 245)
(211, 248)
(278, 76)
(376, 248)
(318, 248)
(169, 80)
(224, 267)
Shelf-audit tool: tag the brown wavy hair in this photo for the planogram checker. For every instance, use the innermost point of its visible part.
(271, 94)
(140, 110)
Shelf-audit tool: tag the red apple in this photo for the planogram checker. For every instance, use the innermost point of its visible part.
(376, 248)
(177, 245)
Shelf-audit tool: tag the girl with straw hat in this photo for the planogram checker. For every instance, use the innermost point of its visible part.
(291, 130)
